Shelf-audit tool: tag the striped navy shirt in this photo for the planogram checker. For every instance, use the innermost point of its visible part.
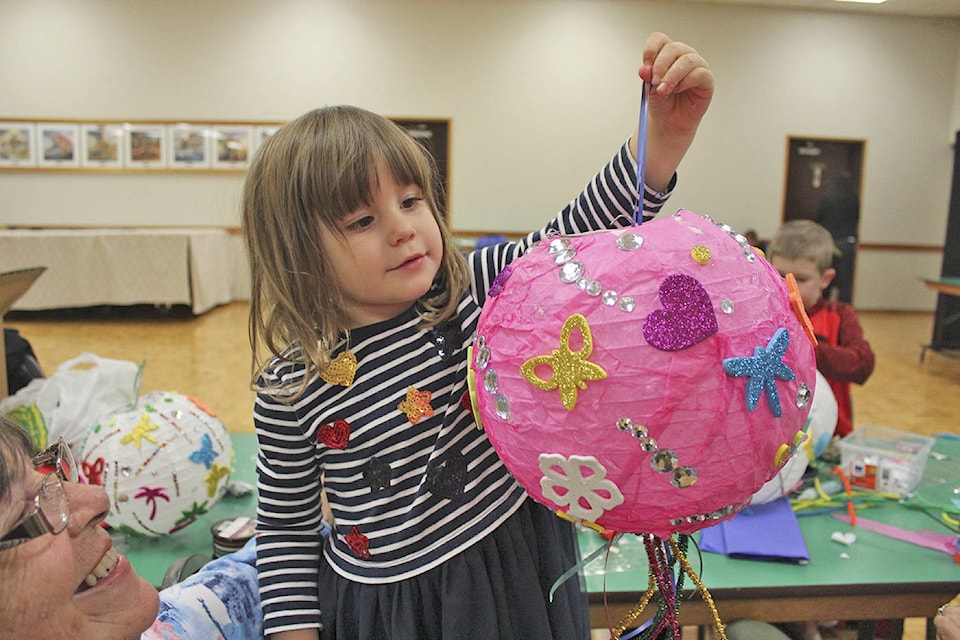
(410, 479)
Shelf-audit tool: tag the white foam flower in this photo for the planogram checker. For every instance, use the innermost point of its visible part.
(586, 496)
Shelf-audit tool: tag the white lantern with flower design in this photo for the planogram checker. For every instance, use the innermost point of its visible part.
(163, 463)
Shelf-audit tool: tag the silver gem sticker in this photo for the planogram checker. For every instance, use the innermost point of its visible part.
(804, 395)
(491, 381)
(557, 245)
(502, 406)
(571, 272)
(565, 255)
(483, 357)
(627, 304)
(609, 298)
(647, 443)
(726, 305)
(683, 477)
(625, 424)
(664, 460)
(593, 288)
(629, 242)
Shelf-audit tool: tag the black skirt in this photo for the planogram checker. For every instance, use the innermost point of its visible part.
(498, 589)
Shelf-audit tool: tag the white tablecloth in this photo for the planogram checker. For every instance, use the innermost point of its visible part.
(104, 266)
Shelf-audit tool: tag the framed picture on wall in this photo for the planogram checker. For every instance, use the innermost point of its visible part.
(189, 146)
(146, 146)
(18, 144)
(263, 132)
(232, 146)
(101, 146)
(58, 144)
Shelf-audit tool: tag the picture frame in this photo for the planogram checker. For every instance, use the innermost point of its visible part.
(263, 132)
(101, 145)
(58, 144)
(18, 144)
(146, 146)
(232, 146)
(189, 146)
(94, 144)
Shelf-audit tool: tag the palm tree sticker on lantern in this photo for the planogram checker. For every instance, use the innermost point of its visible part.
(150, 496)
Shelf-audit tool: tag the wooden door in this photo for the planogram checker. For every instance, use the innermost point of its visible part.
(824, 179)
(812, 166)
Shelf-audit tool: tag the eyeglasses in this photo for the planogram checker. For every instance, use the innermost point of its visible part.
(50, 510)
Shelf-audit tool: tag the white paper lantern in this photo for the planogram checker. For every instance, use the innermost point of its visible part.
(163, 463)
(821, 422)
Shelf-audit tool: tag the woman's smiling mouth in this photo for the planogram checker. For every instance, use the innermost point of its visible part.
(103, 569)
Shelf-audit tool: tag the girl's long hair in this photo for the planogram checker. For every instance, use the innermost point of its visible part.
(302, 181)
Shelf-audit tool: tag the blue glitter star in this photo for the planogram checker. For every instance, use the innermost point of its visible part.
(763, 369)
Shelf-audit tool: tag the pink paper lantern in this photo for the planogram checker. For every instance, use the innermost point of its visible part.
(645, 380)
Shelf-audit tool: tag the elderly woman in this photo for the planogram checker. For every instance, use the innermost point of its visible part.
(60, 576)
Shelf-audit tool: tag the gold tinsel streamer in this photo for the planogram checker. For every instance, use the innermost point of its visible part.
(635, 612)
(704, 593)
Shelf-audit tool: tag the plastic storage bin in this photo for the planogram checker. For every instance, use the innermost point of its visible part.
(885, 460)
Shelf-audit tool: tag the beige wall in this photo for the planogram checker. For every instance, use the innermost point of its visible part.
(540, 93)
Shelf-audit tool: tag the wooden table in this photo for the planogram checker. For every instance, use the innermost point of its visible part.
(947, 315)
(949, 286)
(89, 267)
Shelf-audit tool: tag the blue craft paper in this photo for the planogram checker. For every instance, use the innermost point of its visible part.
(760, 532)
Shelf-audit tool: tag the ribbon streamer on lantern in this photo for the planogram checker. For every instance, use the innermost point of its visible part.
(641, 155)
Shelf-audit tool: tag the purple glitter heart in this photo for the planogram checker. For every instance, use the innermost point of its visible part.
(687, 316)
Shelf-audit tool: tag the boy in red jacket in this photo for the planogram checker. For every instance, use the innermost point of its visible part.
(805, 249)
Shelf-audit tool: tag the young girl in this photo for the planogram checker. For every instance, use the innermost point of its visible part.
(366, 308)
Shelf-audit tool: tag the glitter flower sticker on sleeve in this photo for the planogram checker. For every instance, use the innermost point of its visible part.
(585, 495)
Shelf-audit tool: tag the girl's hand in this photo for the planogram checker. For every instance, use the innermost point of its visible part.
(681, 80)
(682, 87)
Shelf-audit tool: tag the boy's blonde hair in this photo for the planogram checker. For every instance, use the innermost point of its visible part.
(803, 239)
(302, 181)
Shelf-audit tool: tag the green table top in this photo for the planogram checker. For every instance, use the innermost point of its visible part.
(872, 560)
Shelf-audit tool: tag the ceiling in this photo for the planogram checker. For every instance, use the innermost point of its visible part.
(916, 8)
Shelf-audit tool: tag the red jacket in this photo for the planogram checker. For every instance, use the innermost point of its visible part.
(843, 355)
